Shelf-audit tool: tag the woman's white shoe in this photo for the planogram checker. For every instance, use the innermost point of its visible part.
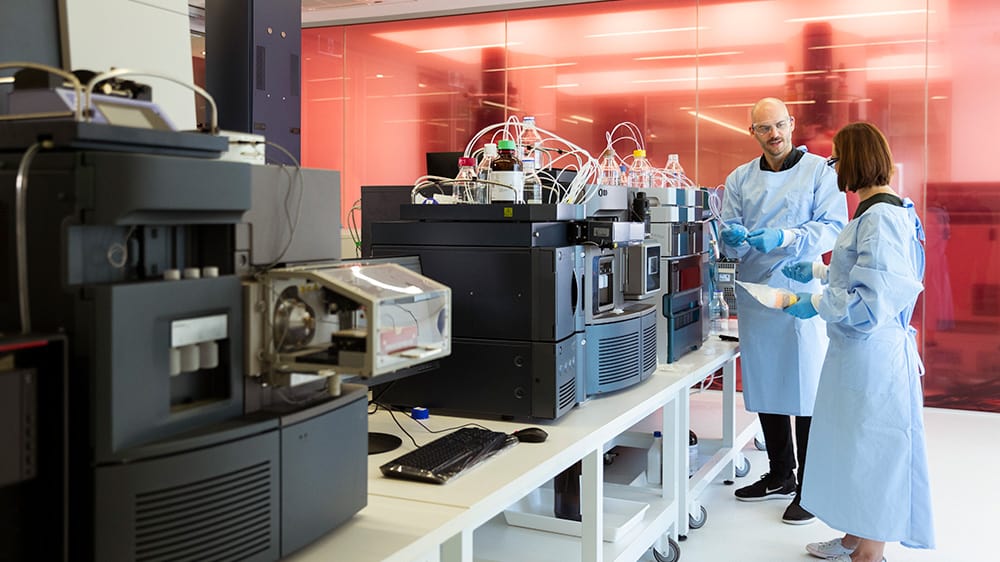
(828, 549)
(846, 558)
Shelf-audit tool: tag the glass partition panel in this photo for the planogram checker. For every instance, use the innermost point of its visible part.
(962, 217)
(378, 97)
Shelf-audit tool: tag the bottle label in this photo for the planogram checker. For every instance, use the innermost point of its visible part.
(513, 193)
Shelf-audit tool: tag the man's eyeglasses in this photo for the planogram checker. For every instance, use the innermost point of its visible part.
(765, 128)
(832, 160)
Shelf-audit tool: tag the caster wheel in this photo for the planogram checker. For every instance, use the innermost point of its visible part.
(673, 553)
(743, 469)
(760, 444)
(699, 521)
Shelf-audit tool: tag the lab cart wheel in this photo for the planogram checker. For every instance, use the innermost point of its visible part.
(759, 443)
(743, 468)
(673, 552)
(699, 521)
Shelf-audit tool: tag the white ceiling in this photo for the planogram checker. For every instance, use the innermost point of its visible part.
(317, 13)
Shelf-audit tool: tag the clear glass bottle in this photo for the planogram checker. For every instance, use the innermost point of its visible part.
(640, 173)
(507, 169)
(609, 173)
(654, 460)
(489, 154)
(718, 312)
(531, 139)
(674, 172)
(464, 188)
(532, 183)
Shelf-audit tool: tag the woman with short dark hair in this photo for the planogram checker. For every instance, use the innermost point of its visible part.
(866, 469)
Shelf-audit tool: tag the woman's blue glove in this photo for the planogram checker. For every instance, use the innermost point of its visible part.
(803, 308)
(801, 272)
(734, 235)
(765, 239)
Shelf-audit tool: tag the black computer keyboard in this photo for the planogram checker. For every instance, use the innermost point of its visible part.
(447, 456)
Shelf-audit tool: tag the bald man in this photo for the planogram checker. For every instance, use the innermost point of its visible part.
(781, 208)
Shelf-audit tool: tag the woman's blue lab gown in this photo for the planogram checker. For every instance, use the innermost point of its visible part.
(866, 468)
(781, 356)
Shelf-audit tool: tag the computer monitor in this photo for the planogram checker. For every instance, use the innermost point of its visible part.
(443, 164)
(380, 203)
(562, 176)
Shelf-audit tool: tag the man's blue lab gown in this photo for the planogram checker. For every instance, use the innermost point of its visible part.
(780, 355)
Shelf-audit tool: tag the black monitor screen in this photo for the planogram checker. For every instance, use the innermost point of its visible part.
(443, 164)
(380, 203)
(562, 176)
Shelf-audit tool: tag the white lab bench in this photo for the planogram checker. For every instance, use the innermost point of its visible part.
(463, 520)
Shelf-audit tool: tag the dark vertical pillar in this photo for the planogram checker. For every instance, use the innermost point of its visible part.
(494, 98)
(253, 54)
(822, 86)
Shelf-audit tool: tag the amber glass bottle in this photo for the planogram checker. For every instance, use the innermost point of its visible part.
(506, 169)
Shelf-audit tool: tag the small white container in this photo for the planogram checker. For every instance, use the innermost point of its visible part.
(534, 511)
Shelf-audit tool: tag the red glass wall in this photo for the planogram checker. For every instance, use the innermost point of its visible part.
(377, 97)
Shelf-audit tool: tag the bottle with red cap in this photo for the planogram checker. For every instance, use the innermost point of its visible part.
(464, 187)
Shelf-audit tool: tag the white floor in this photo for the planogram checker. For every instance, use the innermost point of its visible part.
(964, 450)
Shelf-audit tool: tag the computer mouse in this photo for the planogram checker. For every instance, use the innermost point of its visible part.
(531, 435)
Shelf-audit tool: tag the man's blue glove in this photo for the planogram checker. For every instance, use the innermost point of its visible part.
(765, 239)
(801, 272)
(803, 308)
(734, 235)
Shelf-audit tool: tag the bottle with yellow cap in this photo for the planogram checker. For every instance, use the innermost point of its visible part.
(640, 173)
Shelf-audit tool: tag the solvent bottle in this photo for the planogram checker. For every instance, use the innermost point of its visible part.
(489, 154)
(532, 183)
(507, 169)
(654, 460)
(640, 173)
(531, 139)
(609, 172)
(674, 172)
(465, 182)
(718, 312)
